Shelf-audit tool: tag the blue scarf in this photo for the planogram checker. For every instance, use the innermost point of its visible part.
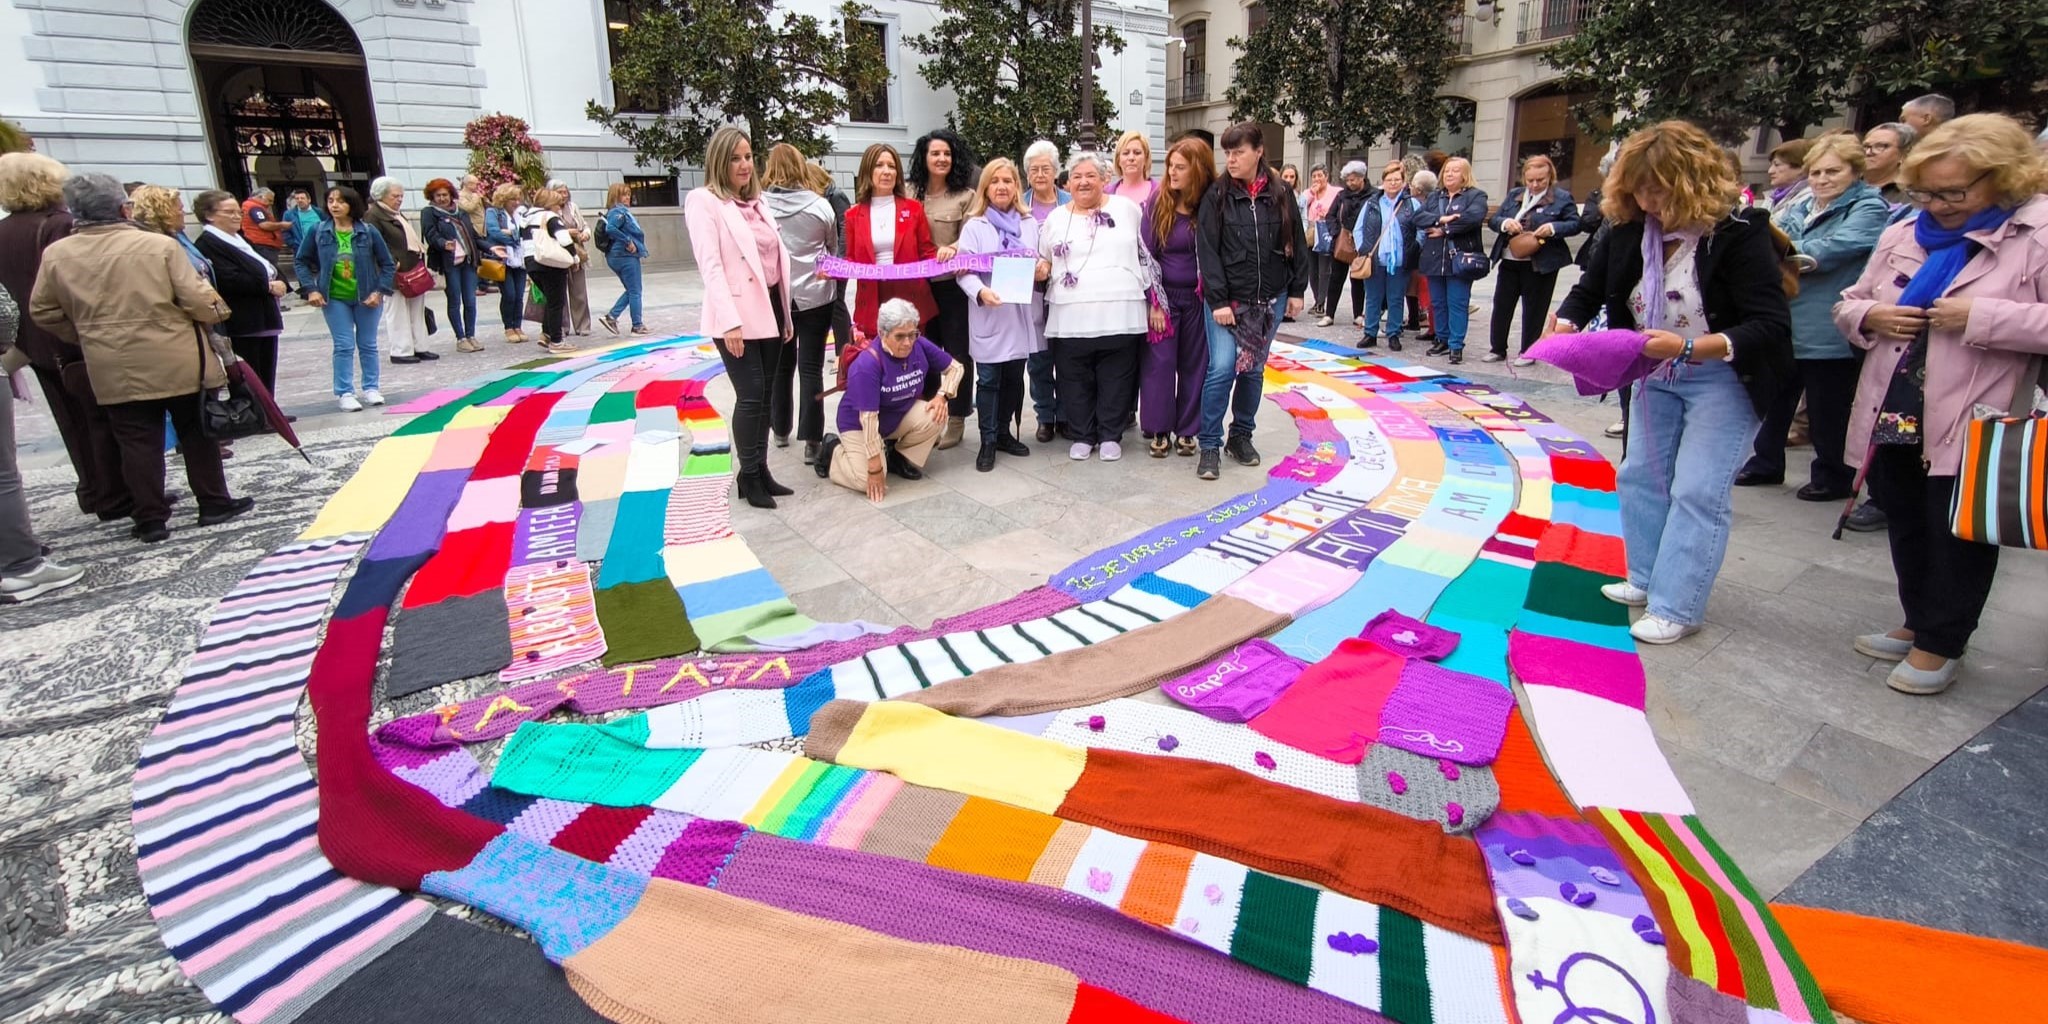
(1946, 253)
(1009, 225)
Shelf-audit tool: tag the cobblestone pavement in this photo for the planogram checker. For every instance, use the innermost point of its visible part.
(1786, 739)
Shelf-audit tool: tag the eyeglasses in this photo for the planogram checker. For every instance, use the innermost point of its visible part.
(1951, 196)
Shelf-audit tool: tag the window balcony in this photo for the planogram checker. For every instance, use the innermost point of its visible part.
(1187, 90)
(1544, 20)
(1462, 28)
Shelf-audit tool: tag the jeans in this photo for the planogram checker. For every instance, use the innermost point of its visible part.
(1384, 292)
(998, 398)
(553, 283)
(807, 371)
(354, 328)
(460, 285)
(1045, 393)
(1830, 388)
(20, 551)
(628, 270)
(1943, 582)
(1520, 284)
(512, 297)
(1218, 396)
(1449, 299)
(1687, 436)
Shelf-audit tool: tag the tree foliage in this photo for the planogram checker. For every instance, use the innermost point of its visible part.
(1734, 65)
(1348, 72)
(1015, 68)
(785, 76)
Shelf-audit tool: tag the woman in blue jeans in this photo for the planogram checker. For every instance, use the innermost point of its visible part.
(1385, 233)
(1700, 281)
(352, 272)
(628, 249)
(1449, 222)
(505, 239)
(452, 253)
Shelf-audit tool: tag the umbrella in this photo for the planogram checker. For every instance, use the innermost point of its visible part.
(1856, 491)
(261, 395)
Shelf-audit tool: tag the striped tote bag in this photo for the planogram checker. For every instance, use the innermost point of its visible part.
(2002, 489)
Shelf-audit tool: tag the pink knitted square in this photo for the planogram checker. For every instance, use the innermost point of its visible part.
(1599, 671)
(1436, 712)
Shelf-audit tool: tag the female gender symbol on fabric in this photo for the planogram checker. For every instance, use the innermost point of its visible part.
(1573, 1011)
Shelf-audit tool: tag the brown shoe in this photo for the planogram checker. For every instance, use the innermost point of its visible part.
(548, 344)
(956, 426)
(468, 345)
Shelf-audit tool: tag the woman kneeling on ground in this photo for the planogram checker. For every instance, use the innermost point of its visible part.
(885, 402)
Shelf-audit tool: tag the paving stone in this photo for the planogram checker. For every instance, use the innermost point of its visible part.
(1851, 773)
(1772, 834)
(1910, 865)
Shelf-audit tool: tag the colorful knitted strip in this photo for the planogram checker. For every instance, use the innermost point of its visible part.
(841, 268)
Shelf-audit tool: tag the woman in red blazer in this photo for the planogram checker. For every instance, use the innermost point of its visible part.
(880, 200)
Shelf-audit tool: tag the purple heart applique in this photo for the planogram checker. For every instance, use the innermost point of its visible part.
(1100, 880)
(1356, 945)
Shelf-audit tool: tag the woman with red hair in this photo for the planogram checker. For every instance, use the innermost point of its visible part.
(452, 253)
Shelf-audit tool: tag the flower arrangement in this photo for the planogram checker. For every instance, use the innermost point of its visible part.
(501, 151)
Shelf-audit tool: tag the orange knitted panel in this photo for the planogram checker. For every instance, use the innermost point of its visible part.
(1525, 780)
(1156, 884)
(993, 839)
(1889, 972)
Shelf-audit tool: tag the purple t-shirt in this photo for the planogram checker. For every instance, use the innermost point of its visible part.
(1176, 259)
(879, 382)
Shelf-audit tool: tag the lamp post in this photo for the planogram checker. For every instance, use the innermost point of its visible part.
(1087, 132)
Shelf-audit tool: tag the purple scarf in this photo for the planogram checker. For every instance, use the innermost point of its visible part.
(1654, 295)
(1009, 225)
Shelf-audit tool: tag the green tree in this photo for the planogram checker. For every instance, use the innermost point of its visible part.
(710, 63)
(1015, 68)
(1350, 72)
(1993, 51)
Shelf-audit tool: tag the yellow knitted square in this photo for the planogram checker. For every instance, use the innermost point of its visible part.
(930, 748)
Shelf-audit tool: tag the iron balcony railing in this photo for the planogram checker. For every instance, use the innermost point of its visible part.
(1543, 20)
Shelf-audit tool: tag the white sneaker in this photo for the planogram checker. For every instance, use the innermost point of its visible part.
(1325, 322)
(348, 403)
(372, 396)
(1626, 593)
(1525, 361)
(47, 576)
(1656, 629)
(1358, 321)
(1883, 646)
(1079, 451)
(1616, 429)
(1111, 451)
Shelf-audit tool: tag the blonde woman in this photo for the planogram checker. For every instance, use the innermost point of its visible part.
(1132, 178)
(1002, 336)
(809, 229)
(1700, 280)
(746, 272)
(1450, 220)
(507, 241)
(628, 250)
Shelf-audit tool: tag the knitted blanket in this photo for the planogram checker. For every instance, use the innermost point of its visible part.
(1382, 840)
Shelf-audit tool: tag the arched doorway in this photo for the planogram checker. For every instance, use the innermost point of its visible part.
(286, 94)
(1544, 124)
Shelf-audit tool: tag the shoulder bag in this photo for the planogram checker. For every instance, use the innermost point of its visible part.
(2001, 494)
(415, 282)
(229, 412)
(546, 250)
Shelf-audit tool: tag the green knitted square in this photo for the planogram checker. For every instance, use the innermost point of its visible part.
(1404, 969)
(1276, 926)
(1570, 592)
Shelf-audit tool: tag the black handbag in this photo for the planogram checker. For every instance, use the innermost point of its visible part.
(1469, 266)
(230, 412)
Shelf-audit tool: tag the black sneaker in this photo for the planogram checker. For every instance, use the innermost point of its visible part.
(150, 533)
(215, 516)
(1868, 518)
(405, 360)
(822, 465)
(985, 459)
(1393, 343)
(1438, 348)
(1210, 465)
(1456, 357)
(1241, 450)
(1369, 341)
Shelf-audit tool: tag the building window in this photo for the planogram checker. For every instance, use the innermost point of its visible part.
(1254, 19)
(654, 191)
(1193, 84)
(872, 107)
(618, 16)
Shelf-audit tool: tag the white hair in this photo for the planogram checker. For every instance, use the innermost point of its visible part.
(1353, 167)
(382, 187)
(557, 183)
(1906, 133)
(1934, 104)
(1425, 181)
(1089, 156)
(896, 313)
(1043, 149)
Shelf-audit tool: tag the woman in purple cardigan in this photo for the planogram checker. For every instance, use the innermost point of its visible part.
(1172, 366)
(1001, 336)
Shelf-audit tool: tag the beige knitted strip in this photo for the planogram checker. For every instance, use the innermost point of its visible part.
(1058, 858)
(912, 823)
(1121, 666)
(800, 970)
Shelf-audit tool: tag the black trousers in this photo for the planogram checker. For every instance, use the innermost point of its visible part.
(261, 355)
(1000, 402)
(88, 438)
(1334, 284)
(1943, 582)
(1830, 387)
(751, 373)
(1097, 378)
(139, 428)
(1319, 274)
(949, 330)
(1519, 283)
(553, 283)
(807, 372)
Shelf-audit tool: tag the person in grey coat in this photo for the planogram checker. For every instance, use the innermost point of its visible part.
(809, 229)
(24, 572)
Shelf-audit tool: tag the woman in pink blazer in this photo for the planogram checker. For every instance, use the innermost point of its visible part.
(745, 271)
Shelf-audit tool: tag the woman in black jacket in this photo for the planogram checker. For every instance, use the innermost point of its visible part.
(1343, 219)
(454, 253)
(246, 280)
(1449, 221)
(1540, 213)
(1700, 279)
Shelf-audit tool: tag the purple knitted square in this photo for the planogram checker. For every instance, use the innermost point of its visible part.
(700, 852)
(1239, 685)
(1436, 712)
(1410, 638)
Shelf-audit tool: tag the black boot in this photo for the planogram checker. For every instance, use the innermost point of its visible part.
(1393, 343)
(1009, 445)
(822, 465)
(774, 489)
(985, 459)
(755, 490)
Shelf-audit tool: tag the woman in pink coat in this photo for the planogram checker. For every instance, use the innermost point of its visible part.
(1953, 311)
(745, 271)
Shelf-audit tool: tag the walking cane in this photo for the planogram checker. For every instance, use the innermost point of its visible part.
(1855, 491)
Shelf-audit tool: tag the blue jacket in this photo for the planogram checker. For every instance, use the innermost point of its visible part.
(318, 250)
(1559, 210)
(1839, 241)
(1463, 233)
(501, 228)
(623, 227)
(1366, 234)
(298, 223)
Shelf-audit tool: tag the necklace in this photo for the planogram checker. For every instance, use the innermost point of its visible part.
(1098, 218)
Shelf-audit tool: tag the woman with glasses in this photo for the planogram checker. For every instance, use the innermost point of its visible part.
(452, 252)
(1952, 312)
(1884, 150)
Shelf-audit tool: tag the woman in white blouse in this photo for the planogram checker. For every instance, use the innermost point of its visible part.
(1096, 314)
